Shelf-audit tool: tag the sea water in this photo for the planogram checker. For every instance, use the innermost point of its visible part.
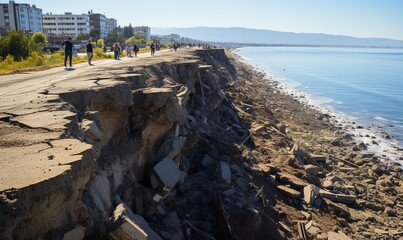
(360, 86)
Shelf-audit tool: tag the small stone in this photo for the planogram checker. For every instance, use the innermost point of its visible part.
(75, 234)
(313, 231)
(224, 172)
(390, 212)
(376, 168)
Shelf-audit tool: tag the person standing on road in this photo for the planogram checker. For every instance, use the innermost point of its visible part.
(136, 49)
(90, 53)
(116, 50)
(68, 51)
(152, 47)
(128, 51)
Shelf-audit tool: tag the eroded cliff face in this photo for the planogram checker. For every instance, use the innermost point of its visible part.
(124, 131)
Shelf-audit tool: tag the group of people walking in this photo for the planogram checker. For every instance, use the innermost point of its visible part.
(116, 48)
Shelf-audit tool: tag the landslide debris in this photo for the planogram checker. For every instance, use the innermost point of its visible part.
(199, 147)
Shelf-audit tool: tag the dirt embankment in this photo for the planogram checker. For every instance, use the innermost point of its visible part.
(187, 145)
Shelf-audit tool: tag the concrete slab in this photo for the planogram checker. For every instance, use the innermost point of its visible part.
(168, 172)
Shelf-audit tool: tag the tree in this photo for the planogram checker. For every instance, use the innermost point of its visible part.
(128, 31)
(83, 36)
(94, 33)
(113, 37)
(16, 44)
(39, 38)
(100, 42)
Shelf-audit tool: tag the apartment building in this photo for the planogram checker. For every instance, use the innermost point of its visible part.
(20, 16)
(111, 24)
(66, 24)
(98, 21)
(142, 30)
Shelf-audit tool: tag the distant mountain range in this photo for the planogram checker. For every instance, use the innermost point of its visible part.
(258, 36)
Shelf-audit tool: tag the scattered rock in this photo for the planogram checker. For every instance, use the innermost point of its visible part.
(337, 236)
(91, 129)
(289, 191)
(317, 158)
(171, 220)
(294, 181)
(310, 194)
(168, 172)
(224, 172)
(124, 224)
(390, 212)
(312, 169)
(77, 233)
(341, 198)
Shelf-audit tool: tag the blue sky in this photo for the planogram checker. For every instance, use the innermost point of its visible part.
(359, 18)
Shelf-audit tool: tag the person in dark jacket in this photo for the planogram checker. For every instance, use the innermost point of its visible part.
(90, 50)
(68, 51)
(136, 49)
(152, 47)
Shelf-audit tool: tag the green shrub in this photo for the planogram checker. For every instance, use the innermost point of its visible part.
(15, 43)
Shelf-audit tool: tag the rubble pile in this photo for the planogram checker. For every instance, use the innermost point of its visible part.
(206, 147)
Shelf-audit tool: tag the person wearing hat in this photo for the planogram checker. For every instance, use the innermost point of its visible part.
(90, 51)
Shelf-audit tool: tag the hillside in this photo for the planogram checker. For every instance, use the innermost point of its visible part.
(259, 36)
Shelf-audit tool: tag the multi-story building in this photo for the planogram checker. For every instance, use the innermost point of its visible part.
(20, 16)
(111, 24)
(142, 30)
(67, 24)
(172, 38)
(98, 21)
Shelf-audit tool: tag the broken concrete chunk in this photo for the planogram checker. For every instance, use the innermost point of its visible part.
(168, 172)
(91, 129)
(224, 172)
(341, 198)
(310, 194)
(317, 158)
(312, 169)
(171, 147)
(337, 236)
(257, 128)
(307, 215)
(338, 207)
(294, 181)
(288, 191)
(217, 99)
(177, 146)
(124, 224)
(77, 233)
(171, 220)
(313, 231)
(327, 184)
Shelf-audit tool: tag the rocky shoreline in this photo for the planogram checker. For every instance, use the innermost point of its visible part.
(187, 145)
(369, 193)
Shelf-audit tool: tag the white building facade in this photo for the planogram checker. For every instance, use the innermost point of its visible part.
(68, 24)
(111, 24)
(142, 30)
(21, 16)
